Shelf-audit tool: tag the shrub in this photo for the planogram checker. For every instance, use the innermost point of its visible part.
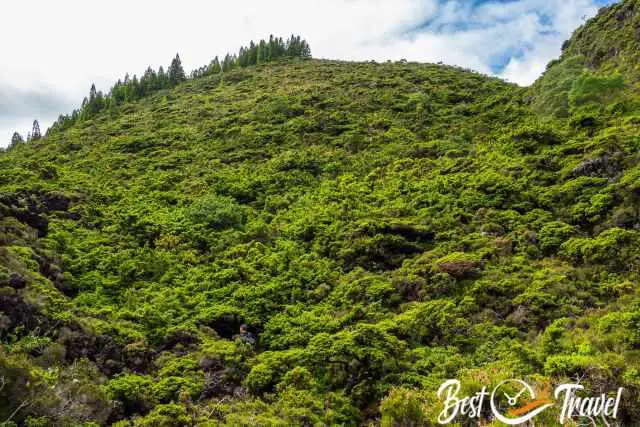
(403, 407)
(431, 322)
(170, 415)
(135, 393)
(270, 369)
(298, 378)
(614, 247)
(554, 234)
(216, 212)
(551, 92)
(569, 365)
(592, 88)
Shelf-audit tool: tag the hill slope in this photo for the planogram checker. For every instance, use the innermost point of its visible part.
(598, 73)
(380, 228)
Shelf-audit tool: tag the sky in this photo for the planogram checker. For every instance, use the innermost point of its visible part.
(52, 51)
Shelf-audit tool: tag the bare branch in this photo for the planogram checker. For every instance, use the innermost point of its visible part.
(22, 405)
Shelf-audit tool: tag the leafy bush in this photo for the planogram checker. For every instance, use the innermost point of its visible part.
(216, 212)
(553, 234)
(134, 392)
(403, 407)
(591, 88)
(613, 246)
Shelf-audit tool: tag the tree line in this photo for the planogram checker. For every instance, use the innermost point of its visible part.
(34, 135)
(133, 88)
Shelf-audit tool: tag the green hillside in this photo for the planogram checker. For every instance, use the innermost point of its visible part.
(379, 227)
(598, 73)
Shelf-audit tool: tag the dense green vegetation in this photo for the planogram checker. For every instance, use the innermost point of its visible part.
(379, 227)
(132, 89)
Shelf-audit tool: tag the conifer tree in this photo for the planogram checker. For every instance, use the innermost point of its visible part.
(163, 78)
(262, 52)
(92, 93)
(305, 49)
(281, 47)
(16, 139)
(135, 92)
(214, 66)
(35, 131)
(94, 104)
(118, 93)
(269, 53)
(176, 72)
(242, 57)
(253, 53)
(229, 62)
(149, 81)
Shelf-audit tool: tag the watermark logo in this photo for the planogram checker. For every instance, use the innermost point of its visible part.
(514, 402)
(517, 413)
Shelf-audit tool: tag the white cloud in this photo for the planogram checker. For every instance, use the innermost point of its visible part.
(61, 47)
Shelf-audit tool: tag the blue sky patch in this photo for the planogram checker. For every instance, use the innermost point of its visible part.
(457, 17)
